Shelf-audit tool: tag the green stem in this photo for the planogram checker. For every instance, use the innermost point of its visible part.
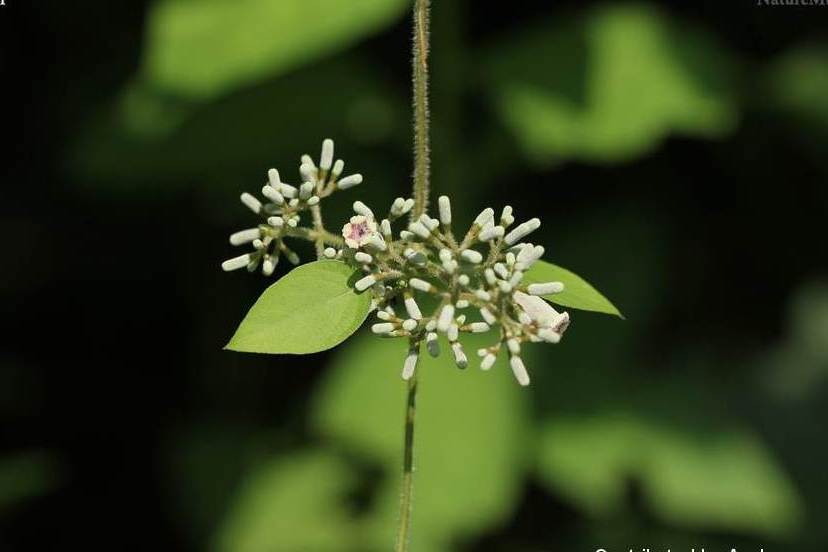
(420, 76)
(407, 492)
(421, 185)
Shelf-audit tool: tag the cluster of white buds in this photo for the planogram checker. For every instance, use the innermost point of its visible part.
(280, 213)
(473, 284)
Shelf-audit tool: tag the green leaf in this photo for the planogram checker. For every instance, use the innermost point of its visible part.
(471, 444)
(577, 293)
(610, 86)
(201, 48)
(311, 309)
(293, 503)
(723, 480)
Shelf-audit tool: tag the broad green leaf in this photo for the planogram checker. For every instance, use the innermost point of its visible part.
(293, 503)
(312, 308)
(723, 480)
(797, 83)
(610, 86)
(201, 48)
(577, 293)
(470, 437)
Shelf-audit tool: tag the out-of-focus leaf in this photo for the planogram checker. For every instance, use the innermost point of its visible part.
(717, 480)
(201, 48)
(577, 293)
(152, 144)
(611, 86)
(470, 442)
(312, 308)
(27, 475)
(798, 83)
(293, 503)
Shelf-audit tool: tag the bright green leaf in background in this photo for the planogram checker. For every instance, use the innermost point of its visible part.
(291, 503)
(798, 83)
(611, 86)
(577, 293)
(201, 48)
(722, 480)
(471, 445)
(312, 308)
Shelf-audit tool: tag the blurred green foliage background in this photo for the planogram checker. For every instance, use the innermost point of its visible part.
(676, 154)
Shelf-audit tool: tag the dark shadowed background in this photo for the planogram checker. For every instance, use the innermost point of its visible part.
(676, 153)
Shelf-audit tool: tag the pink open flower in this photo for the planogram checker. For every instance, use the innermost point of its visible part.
(359, 231)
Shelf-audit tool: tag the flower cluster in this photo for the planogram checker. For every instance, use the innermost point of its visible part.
(281, 212)
(472, 284)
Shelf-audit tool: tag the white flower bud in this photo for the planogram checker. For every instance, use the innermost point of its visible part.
(329, 253)
(462, 304)
(517, 276)
(519, 370)
(313, 200)
(409, 204)
(409, 325)
(410, 364)
(445, 210)
(307, 171)
(307, 160)
(412, 308)
(488, 316)
(420, 230)
(365, 283)
(491, 233)
(549, 335)
(383, 315)
(258, 244)
(483, 295)
(305, 190)
(505, 287)
(506, 218)
(488, 361)
(545, 288)
(251, 203)
(463, 280)
(273, 178)
(490, 276)
(453, 332)
(405, 235)
(432, 344)
(522, 230)
(337, 168)
(385, 228)
(377, 242)
(514, 346)
(472, 256)
(294, 202)
(431, 325)
(276, 222)
(361, 257)
(421, 285)
(287, 190)
(349, 181)
(446, 316)
(269, 265)
(361, 209)
(397, 207)
(459, 356)
(382, 328)
(244, 236)
(326, 159)
(484, 217)
(236, 262)
(478, 327)
(273, 194)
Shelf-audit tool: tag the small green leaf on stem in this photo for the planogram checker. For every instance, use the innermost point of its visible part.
(577, 293)
(311, 309)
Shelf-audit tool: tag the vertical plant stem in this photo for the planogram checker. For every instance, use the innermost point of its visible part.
(319, 242)
(420, 77)
(407, 492)
(421, 186)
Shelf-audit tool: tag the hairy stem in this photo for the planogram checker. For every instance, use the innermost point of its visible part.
(319, 242)
(420, 76)
(407, 492)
